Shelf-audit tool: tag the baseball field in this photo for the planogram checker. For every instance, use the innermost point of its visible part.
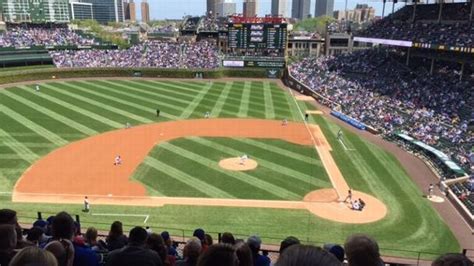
(59, 144)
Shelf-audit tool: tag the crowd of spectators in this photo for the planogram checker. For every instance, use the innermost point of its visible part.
(59, 241)
(457, 34)
(26, 35)
(209, 24)
(376, 89)
(454, 31)
(191, 23)
(168, 29)
(430, 12)
(148, 54)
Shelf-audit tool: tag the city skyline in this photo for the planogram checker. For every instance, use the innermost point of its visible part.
(176, 9)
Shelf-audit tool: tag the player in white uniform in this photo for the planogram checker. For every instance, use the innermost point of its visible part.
(86, 204)
(243, 158)
(37, 87)
(118, 160)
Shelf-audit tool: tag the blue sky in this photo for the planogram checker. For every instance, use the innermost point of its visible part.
(172, 9)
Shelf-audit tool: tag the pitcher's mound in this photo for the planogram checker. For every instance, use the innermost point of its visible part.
(234, 164)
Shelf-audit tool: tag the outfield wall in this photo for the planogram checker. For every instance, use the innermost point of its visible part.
(55, 73)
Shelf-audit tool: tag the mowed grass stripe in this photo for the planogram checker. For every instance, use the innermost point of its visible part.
(114, 104)
(58, 117)
(294, 174)
(100, 93)
(47, 134)
(267, 93)
(177, 174)
(244, 102)
(26, 144)
(21, 150)
(97, 103)
(195, 102)
(221, 100)
(234, 93)
(232, 103)
(134, 91)
(169, 86)
(175, 98)
(247, 178)
(278, 150)
(79, 110)
(258, 111)
(140, 174)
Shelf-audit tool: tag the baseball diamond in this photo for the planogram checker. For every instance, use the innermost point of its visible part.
(69, 133)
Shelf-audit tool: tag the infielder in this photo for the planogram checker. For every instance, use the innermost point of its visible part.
(118, 160)
(86, 204)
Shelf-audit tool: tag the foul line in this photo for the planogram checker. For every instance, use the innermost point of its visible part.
(314, 142)
(344, 145)
(147, 216)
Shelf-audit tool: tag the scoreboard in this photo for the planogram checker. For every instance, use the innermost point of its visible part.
(257, 35)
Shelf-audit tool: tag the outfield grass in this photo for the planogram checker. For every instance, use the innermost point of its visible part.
(35, 123)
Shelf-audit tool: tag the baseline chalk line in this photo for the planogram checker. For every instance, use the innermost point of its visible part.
(146, 216)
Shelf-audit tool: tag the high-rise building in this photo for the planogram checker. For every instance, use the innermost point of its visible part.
(279, 7)
(300, 9)
(226, 8)
(368, 12)
(130, 10)
(35, 10)
(324, 8)
(145, 11)
(81, 11)
(362, 13)
(211, 6)
(105, 11)
(250, 8)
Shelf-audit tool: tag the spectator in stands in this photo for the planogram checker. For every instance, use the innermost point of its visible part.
(63, 229)
(191, 252)
(255, 243)
(219, 255)
(169, 244)
(116, 239)
(452, 259)
(336, 250)
(8, 216)
(43, 225)
(155, 242)
(306, 255)
(209, 240)
(289, 241)
(228, 238)
(201, 235)
(362, 250)
(63, 251)
(244, 254)
(30, 256)
(135, 253)
(8, 239)
(91, 240)
(35, 235)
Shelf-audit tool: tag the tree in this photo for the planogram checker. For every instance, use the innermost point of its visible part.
(317, 24)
